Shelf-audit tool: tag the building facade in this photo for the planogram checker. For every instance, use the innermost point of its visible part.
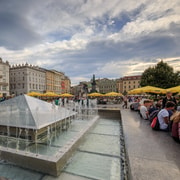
(4, 78)
(127, 83)
(26, 78)
(67, 85)
(106, 85)
(50, 81)
(102, 86)
(57, 82)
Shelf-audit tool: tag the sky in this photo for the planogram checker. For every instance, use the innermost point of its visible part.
(108, 38)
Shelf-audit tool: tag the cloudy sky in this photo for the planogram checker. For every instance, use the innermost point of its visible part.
(108, 38)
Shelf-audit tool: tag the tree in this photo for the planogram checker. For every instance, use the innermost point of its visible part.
(161, 75)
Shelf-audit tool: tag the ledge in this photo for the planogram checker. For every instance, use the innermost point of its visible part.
(152, 154)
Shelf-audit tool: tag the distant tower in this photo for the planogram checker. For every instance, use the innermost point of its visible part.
(93, 85)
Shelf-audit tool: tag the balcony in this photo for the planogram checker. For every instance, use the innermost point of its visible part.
(3, 84)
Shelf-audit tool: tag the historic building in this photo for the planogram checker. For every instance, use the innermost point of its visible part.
(101, 85)
(27, 78)
(4, 78)
(66, 85)
(54, 81)
(106, 85)
(127, 83)
(57, 82)
(76, 90)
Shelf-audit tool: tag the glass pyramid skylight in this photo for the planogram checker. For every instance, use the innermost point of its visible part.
(28, 112)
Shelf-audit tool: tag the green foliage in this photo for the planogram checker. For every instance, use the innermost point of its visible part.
(161, 75)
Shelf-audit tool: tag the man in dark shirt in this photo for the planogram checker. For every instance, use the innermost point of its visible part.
(168, 97)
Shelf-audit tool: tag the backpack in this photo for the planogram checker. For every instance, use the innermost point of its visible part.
(153, 115)
(155, 124)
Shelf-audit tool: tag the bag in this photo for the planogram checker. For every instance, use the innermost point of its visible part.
(153, 115)
(155, 124)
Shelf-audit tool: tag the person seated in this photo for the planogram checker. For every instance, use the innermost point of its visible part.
(153, 107)
(163, 115)
(175, 132)
(144, 109)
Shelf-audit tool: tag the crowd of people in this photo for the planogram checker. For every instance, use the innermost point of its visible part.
(166, 109)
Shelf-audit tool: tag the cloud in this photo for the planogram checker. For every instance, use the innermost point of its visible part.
(16, 29)
(81, 38)
(16, 33)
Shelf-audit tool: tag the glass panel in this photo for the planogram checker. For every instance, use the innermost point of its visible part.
(78, 125)
(95, 166)
(15, 173)
(109, 122)
(102, 144)
(29, 112)
(105, 129)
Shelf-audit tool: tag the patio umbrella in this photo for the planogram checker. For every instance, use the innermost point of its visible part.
(34, 94)
(95, 94)
(66, 95)
(50, 94)
(147, 89)
(136, 91)
(113, 94)
(153, 89)
(174, 89)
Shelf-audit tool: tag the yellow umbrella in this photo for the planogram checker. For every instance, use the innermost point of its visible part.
(66, 95)
(174, 89)
(147, 89)
(34, 94)
(136, 91)
(95, 94)
(152, 89)
(50, 94)
(113, 94)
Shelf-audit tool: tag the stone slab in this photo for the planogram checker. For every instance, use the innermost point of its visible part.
(152, 154)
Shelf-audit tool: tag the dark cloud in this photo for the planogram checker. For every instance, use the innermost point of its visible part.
(97, 53)
(156, 44)
(16, 33)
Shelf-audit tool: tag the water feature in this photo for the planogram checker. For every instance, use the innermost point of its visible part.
(95, 157)
(60, 140)
(33, 131)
